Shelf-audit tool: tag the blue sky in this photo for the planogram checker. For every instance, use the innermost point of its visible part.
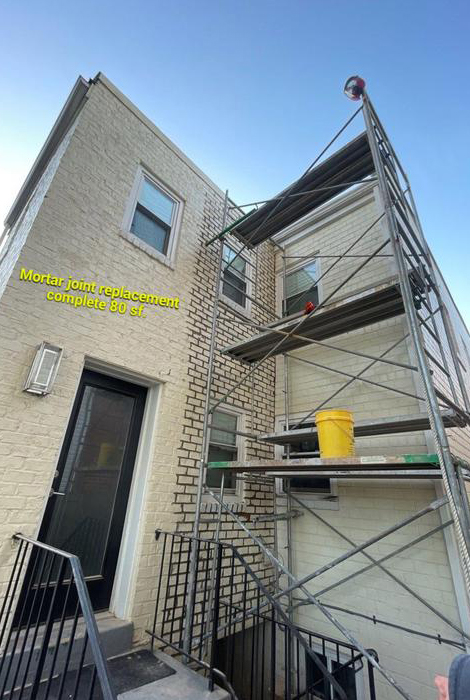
(252, 90)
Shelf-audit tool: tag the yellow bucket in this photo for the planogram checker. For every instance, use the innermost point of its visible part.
(335, 433)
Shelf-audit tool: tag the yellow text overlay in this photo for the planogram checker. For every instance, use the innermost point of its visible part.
(92, 291)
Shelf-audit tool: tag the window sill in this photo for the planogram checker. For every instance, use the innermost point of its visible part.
(152, 252)
(315, 501)
(318, 502)
(236, 307)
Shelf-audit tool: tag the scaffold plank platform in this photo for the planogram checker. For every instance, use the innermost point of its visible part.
(349, 164)
(374, 466)
(361, 474)
(367, 306)
(371, 427)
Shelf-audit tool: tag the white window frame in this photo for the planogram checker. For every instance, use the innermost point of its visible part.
(169, 257)
(237, 495)
(320, 501)
(236, 247)
(280, 291)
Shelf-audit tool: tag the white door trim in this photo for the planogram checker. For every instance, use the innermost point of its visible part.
(126, 570)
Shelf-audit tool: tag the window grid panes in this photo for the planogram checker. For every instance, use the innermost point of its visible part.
(234, 279)
(153, 216)
(300, 288)
(222, 448)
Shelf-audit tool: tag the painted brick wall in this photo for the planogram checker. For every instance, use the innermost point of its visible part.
(77, 231)
(365, 508)
(13, 243)
(310, 386)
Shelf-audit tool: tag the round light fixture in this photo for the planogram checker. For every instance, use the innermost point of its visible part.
(354, 87)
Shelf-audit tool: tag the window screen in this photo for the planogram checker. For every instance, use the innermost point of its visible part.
(153, 216)
(300, 288)
(222, 448)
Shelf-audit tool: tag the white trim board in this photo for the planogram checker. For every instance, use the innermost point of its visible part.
(127, 566)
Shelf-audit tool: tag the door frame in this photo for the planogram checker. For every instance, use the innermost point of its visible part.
(122, 595)
(101, 596)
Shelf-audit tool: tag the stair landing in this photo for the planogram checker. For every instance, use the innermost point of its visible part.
(180, 684)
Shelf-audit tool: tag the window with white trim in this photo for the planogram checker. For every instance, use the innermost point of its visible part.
(154, 215)
(223, 447)
(234, 278)
(300, 287)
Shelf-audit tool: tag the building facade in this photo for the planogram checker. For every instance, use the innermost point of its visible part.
(371, 603)
(107, 287)
(112, 452)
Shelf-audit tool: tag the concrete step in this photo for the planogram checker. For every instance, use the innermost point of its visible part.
(116, 638)
(181, 684)
(138, 675)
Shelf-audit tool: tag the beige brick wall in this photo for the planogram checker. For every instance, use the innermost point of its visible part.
(459, 439)
(310, 386)
(366, 507)
(76, 231)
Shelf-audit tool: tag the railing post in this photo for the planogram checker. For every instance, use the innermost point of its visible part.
(273, 653)
(53, 608)
(370, 671)
(215, 613)
(47, 628)
(92, 630)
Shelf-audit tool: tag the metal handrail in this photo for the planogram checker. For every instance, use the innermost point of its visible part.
(50, 562)
(236, 553)
(229, 598)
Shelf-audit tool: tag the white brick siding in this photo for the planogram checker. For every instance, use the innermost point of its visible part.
(366, 507)
(76, 231)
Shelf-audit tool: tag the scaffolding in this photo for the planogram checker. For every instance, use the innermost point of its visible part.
(414, 291)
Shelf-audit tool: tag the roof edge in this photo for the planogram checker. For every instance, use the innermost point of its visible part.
(101, 78)
(68, 113)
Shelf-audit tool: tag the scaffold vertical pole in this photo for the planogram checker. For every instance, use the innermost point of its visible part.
(437, 426)
(204, 445)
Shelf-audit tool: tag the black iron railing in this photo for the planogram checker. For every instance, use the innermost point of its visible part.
(49, 640)
(240, 635)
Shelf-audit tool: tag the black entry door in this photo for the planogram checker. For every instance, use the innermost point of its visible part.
(87, 507)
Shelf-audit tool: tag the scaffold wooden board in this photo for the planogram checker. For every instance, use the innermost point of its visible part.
(349, 164)
(364, 307)
(370, 427)
(326, 465)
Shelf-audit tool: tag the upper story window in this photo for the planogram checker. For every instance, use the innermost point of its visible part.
(223, 447)
(300, 287)
(154, 215)
(152, 218)
(234, 278)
